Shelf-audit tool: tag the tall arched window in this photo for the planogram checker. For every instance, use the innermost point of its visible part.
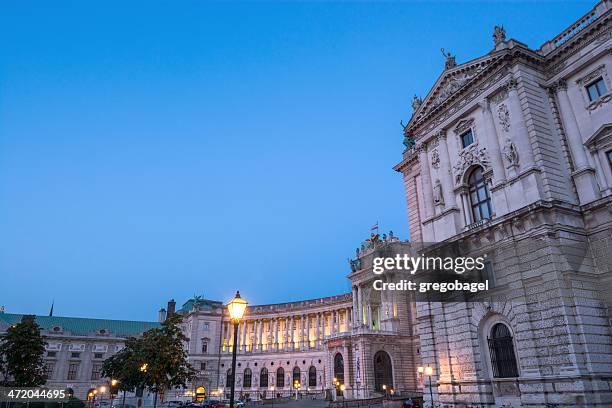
(228, 378)
(263, 377)
(296, 374)
(480, 201)
(312, 376)
(501, 348)
(247, 378)
(339, 367)
(280, 378)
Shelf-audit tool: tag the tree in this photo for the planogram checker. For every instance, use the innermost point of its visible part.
(124, 367)
(157, 361)
(163, 352)
(21, 351)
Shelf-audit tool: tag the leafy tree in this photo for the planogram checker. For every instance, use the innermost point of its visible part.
(21, 352)
(157, 361)
(163, 352)
(124, 367)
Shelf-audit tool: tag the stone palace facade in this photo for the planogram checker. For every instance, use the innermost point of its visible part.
(510, 154)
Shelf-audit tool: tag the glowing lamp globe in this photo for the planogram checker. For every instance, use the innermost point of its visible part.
(428, 371)
(237, 307)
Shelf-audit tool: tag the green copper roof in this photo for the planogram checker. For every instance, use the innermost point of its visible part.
(201, 304)
(82, 326)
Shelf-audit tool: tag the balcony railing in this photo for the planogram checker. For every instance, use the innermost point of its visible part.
(577, 27)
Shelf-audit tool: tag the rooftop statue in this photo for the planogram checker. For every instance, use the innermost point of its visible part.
(499, 35)
(416, 103)
(450, 59)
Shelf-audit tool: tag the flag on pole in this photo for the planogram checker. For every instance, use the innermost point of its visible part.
(375, 227)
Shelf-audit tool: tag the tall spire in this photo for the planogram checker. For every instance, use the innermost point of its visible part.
(51, 311)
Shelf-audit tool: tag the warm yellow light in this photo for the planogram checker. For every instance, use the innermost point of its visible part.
(384, 387)
(102, 389)
(236, 307)
(392, 391)
(95, 392)
(144, 367)
(342, 387)
(420, 369)
(114, 382)
(428, 371)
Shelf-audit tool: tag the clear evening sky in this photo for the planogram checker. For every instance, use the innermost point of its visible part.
(154, 150)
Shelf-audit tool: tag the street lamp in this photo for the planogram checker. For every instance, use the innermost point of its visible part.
(428, 372)
(236, 308)
(272, 394)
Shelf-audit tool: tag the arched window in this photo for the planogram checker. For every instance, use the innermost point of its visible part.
(296, 375)
(339, 367)
(263, 377)
(228, 378)
(480, 201)
(312, 376)
(501, 348)
(280, 377)
(383, 371)
(247, 378)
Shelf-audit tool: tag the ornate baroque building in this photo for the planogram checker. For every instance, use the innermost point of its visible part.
(510, 154)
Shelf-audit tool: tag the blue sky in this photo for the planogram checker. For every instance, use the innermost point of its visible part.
(151, 150)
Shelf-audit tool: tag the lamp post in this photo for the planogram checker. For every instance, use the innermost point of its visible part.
(272, 395)
(429, 372)
(236, 308)
(296, 385)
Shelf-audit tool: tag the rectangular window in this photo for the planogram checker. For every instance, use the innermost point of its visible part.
(204, 347)
(73, 369)
(487, 274)
(49, 367)
(202, 365)
(98, 355)
(206, 326)
(51, 353)
(609, 156)
(467, 139)
(596, 89)
(75, 355)
(96, 370)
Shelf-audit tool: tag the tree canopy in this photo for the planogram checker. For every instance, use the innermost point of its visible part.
(22, 350)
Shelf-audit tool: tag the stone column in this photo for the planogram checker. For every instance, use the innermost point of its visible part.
(287, 333)
(245, 329)
(426, 184)
(317, 334)
(517, 126)
(359, 319)
(583, 174)
(270, 322)
(307, 332)
(497, 163)
(347, 313)
(354, 299)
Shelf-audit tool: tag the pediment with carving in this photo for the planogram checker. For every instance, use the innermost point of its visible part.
(450, 82)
